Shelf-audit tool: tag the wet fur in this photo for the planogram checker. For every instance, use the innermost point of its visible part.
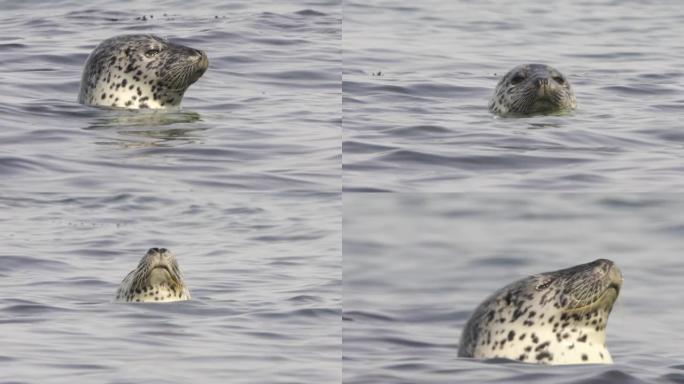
(140, 71)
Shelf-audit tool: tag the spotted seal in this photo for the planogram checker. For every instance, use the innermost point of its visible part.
(557, 317)
(530, 89)
(156, 279)
(140, 71)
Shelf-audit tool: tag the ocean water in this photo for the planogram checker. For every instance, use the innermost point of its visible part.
(242, 184)
(417, 265)
(418, 76)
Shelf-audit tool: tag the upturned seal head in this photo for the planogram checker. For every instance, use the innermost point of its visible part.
(555, 317)
(156, 279)
(140, 71)
(532, 89)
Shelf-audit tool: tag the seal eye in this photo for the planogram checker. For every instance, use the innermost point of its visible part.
(517, 78)
(543, 285)
(559, 79)
(152, 52)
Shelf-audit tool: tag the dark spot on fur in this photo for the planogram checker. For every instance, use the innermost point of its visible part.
(544, 355)
(542, 346)
(511, 335)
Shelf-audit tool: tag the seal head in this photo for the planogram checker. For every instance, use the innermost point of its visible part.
(140, 71)
(156, 279)
(555, 317)
(530, 89)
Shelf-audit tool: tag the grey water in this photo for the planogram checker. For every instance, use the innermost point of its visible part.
(418, 76)
(417, 265)
(242, 183)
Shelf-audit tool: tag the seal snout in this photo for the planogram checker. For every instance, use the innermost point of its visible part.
(609, 272)
(202, 60)
(542, 82)
(543, 86)
(158, 257)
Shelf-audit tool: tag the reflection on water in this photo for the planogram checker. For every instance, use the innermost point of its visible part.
(147, 128)
(122, 117)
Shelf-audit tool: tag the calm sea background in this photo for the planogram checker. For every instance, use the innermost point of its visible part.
(418, 76)
(417, 265)
(242, 184)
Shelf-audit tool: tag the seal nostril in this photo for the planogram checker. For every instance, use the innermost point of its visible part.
(155, 250)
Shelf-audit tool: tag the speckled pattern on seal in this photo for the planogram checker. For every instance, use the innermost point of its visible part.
(140, 71)
(530, 89)
(156, 279)
(555, 317)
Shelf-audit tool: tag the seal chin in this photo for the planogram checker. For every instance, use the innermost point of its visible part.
(160, 274)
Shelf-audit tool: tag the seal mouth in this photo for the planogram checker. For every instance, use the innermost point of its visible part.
(161, 266)
(161, 273)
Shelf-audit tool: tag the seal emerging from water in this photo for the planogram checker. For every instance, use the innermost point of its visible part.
(555, 317)
(156, 279)
(530, 89)
(140, 71)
